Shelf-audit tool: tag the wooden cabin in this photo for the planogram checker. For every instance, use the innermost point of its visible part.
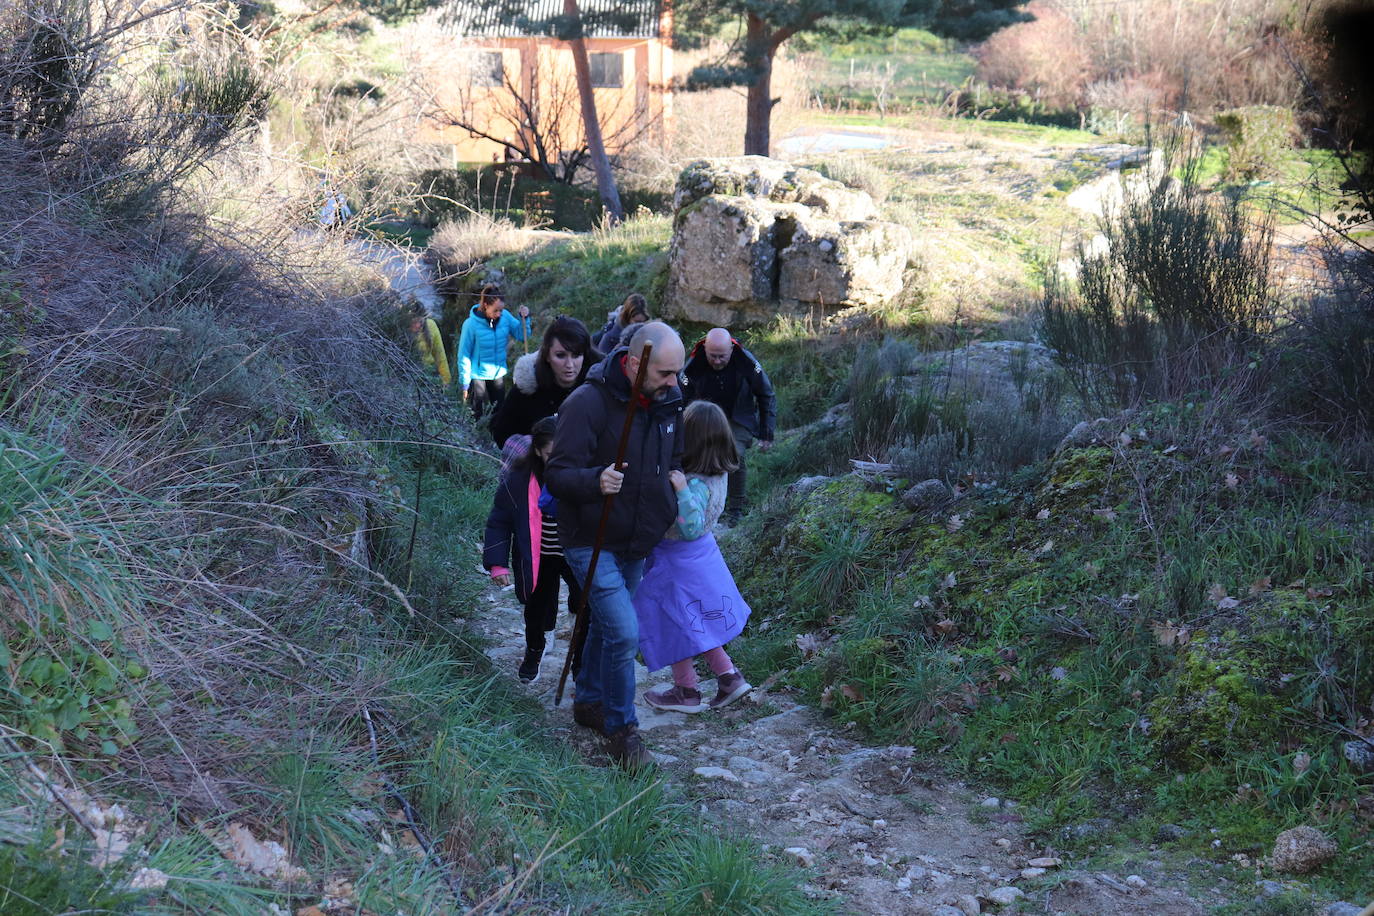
(499, 82)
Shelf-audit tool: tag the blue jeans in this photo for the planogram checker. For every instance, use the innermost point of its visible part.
(608, 655)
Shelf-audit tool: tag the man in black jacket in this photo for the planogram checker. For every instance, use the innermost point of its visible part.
(722, 371)
(581, 473)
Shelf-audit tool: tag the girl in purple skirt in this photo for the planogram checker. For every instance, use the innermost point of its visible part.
(687, 603)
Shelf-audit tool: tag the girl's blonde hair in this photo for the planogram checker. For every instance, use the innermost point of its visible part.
(709, 447)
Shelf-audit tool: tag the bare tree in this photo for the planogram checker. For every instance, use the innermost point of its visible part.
(539, 123)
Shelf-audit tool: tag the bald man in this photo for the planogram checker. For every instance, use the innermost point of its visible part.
(722, 371)
(580, 474)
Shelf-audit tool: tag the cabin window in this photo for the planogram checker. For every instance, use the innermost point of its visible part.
(488, 69)
(608, 70)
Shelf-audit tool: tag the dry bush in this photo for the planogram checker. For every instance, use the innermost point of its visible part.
(1047, 57)
(461, 244)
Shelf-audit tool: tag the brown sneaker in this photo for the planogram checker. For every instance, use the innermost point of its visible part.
(729, 688)
(628, 750)
(590, 715)
(675, 699)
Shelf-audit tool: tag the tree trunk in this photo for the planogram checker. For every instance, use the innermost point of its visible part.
(605, 181)
(759, 108)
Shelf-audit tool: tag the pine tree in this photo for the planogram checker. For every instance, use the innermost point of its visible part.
(765, 25)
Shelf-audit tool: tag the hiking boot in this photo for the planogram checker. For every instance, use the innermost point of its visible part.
(628, 750)
(729, 688)
(590, 715)
(675, 699)
(529, 668)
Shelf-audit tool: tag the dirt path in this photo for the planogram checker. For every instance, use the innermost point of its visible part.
(884, 831)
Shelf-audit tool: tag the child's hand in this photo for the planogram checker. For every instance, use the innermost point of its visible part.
(678, 480)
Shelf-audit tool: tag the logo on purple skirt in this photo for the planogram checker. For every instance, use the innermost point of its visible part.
(698, 618)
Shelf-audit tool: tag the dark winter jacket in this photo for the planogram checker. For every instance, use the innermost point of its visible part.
(611, 335)
(589, 425)
(535, 395)
(511, 532)
(742, 389)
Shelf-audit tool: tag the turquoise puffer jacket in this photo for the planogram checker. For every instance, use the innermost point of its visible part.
(482, 346)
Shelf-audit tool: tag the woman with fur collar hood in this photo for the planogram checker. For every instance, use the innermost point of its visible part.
(544, 378)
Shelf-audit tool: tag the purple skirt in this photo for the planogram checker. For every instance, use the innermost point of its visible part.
(687, 602)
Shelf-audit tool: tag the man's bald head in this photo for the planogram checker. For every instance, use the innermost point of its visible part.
(719, 347)
(665, 361)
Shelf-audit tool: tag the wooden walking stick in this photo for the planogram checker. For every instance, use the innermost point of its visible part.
(579, 633)
(525, 321)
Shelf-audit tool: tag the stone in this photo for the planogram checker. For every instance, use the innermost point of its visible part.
(1341, 908)
(1301, 850)
(991, 802)
(1360, 755)
(1003, 842)
(946, 910)
(801, 855)
(837, 265)
(928, 494)
(1171, 833)
(903, 883)
(1045, 862)
(1269, 888)
(1136, 882)
(773, 180)
(968, 905)
(1005, 896)
(806, 485)
(754, 237)
(720, 773)
(723, 259)
(1029, 873)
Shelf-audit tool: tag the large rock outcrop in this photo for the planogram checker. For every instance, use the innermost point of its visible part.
(754, 237)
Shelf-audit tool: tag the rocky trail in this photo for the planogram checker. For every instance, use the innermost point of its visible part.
(883, 830)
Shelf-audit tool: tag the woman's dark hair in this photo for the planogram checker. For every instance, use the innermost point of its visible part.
(573, 335)
(634, 304)
(709, 445)
(489, 292)
(541, 434)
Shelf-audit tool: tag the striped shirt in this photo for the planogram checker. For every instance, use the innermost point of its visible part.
(548, 537)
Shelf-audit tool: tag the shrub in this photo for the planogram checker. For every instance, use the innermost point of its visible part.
(1045, 57)
(1256, 139)
(1179, 298)
(1328, 362)
(857, 172)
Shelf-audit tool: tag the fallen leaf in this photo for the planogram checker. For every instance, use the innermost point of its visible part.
(311, 910)
(1167, 634)
(1046, 547)
(1125, 439)
(1006, 673)
(1225, 451)
(949, 581)
(1171, 449)
(852, 693)
(1007, 654)
(1259, 586)
(1301, 761)
(1231, 480)
(1042, 514)
(946, 627)
(923, 601)
(1216, 592)
(808, 644)
(955, 523)
(1008, 738)
(1058, 673)
(828, 696)
(1228, 603)
(1092, 569)
(1258, 441)
(1107, 514)
(1315, 593)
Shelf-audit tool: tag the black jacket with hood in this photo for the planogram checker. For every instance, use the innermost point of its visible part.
(534, 396)
(748, 400)
(589, 425)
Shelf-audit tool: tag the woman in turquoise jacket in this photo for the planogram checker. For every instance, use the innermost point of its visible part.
(482, 349)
